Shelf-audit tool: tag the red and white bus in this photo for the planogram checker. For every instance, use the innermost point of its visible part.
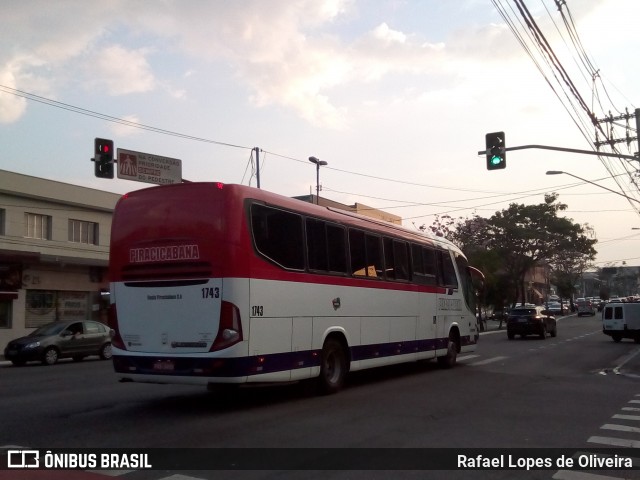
(214, 283)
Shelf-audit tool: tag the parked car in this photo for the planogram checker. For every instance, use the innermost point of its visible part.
(47, 344)
(525, 321)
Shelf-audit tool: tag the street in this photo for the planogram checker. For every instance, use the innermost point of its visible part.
(576, 391)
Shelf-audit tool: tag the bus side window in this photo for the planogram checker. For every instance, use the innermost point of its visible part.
(278, 236)
(416, 263)
(447, 274)
(374, 256)
(430, 266)
(357, 251)
(337, 247)
(317, 244)
(326, 246)
(366, 254)
(401, 258)
(389, 264)
(396, 259)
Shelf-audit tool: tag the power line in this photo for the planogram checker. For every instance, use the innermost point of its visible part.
(109, 118)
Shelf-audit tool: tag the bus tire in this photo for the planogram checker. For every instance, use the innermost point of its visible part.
(449, 360)
(333, 366)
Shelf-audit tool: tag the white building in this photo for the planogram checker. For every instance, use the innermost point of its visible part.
(54, 251)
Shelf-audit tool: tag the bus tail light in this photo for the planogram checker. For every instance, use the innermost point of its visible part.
(230, 329)
(114, 332)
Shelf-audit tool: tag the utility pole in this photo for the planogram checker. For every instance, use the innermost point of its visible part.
(627, 138)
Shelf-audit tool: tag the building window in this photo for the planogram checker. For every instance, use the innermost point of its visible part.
(83, 232)
(3, 221)
(37, 226)
(5, 313)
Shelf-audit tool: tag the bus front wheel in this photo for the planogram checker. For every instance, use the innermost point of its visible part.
(333, 367)
(449, 360)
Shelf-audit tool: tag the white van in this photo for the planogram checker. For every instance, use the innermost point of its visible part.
(621, 320)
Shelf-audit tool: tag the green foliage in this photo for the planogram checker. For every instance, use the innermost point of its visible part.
(514, 240)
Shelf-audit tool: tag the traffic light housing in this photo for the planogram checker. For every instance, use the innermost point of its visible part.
(103, 158)
(495, 149)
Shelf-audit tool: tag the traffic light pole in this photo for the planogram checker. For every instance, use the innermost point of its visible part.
(570, 150)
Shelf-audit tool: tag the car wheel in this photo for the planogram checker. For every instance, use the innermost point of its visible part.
(554, 332)
(543, 333)
(50, 356)
(616, 337)
(510, 335)
(333, 366)
(105, 351)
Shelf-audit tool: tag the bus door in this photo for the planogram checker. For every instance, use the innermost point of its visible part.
(449, 308)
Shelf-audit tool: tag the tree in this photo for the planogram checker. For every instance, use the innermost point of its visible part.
(514, 240)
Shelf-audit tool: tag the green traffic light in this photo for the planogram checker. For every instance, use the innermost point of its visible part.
(496, 160)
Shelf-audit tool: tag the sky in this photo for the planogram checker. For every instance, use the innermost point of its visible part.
(395, 95)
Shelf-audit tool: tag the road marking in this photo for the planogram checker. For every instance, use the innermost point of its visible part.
(620, 428)
(487, 361)
(627, 417)
(618, 442)
(631, 409)
(467, 357)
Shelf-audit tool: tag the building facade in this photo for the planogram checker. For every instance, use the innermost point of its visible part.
(54, 251)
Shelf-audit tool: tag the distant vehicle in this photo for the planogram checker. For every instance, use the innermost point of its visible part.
(585, 307)
(621, 320)
(63, 339)
(525, 321)
(555, 308)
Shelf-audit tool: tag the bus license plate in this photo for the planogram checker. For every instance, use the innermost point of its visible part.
(164, 366)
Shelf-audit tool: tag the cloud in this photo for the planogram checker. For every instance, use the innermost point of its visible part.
(121, 71)
(11, 106)
(282, 52)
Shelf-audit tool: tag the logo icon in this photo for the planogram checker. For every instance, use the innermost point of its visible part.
(23, 459)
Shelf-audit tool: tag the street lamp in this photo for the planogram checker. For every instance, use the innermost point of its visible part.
(560, 172)
(318, 163)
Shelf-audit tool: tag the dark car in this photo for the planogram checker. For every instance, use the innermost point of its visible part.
(75, 339)
(525, 321)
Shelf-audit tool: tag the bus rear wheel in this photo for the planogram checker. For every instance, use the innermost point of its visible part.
(333, 367)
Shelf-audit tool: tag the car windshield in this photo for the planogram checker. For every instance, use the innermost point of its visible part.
(49, 329)
(523, 311)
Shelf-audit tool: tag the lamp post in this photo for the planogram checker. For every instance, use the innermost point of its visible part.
(318, 164)
(560, 172)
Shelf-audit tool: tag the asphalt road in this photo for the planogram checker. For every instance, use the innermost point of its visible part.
(573, 391)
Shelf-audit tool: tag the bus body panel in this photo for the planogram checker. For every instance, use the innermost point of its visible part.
(180, 252)
(169, 317)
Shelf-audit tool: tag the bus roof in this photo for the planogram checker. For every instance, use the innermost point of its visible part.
(303, 207)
